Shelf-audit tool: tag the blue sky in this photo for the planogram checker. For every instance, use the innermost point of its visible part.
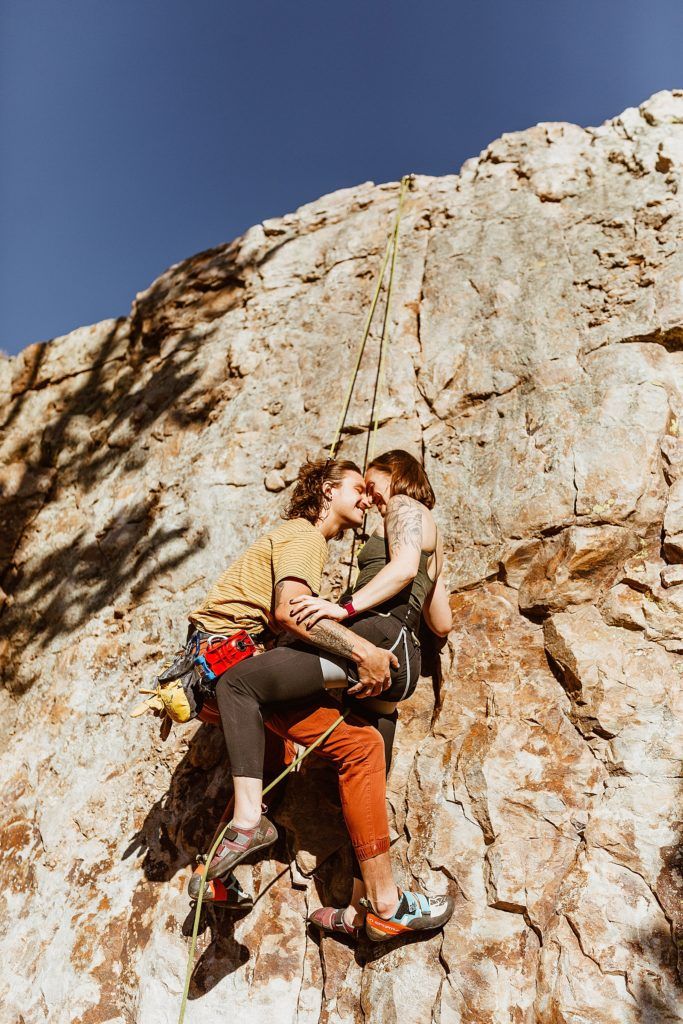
(137, 132)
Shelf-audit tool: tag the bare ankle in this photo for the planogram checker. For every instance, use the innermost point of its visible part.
(386, 906)
(244, 823)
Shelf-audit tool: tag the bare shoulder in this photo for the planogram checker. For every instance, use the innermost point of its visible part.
(403, 523)
(404, 501)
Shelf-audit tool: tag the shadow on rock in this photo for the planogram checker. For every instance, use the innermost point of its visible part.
(181, 825)
(658, 1002)
(93, 431)
(223, 956)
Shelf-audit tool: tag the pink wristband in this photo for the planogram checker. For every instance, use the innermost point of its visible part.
(349, 609)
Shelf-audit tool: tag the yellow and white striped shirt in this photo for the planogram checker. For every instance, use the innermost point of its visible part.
(242, 597)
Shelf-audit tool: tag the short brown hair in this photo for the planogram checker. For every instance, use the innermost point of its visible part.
(307, 498)
(407, 475)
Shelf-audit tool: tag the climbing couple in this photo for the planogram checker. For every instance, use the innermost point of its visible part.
(361, 654)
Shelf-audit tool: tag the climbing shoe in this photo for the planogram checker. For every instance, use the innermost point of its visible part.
(329, 919)
(238, 843)
(415, 913)
(226, 893)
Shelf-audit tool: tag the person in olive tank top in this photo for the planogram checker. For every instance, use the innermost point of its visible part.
(399, 577)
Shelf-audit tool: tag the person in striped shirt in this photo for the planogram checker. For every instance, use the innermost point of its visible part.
(255, 594)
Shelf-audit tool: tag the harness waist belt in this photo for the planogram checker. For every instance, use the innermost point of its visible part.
(412, 619)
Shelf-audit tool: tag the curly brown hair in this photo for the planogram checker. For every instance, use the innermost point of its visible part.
(407, 475)
(307, 497)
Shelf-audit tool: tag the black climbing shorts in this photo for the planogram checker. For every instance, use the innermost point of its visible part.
(385, 630)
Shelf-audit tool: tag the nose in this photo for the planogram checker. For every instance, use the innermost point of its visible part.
(366, 501)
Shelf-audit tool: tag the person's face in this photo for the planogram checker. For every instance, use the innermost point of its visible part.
(349, 499)
(378, 486)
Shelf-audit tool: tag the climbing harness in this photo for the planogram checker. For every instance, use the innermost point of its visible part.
(389, 255)
(182, 689)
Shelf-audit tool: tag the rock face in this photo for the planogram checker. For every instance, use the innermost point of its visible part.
(537, 364)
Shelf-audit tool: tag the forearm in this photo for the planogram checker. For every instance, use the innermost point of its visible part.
(333, 637)
(388, 582)
(437, 612)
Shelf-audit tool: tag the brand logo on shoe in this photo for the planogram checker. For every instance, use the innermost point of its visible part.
(380, 924)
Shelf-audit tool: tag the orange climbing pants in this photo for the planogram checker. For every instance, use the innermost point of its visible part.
(356, 750)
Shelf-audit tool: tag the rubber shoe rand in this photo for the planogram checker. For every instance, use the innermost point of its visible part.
(238, 844)
(226, 892)
(415, 913)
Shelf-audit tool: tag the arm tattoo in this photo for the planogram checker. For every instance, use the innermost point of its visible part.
(332, 636)
(403, 524)
(328, 634)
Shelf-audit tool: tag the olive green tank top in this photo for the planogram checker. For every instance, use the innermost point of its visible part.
(373, 556)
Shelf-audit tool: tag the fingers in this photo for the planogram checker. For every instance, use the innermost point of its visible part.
(310, 617)
(303, 612)
(302, 615)
(298, 609)
(394, 661)
(313, 618)
(361, 690)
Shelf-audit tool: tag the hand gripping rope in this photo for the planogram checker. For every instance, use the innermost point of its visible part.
(390, 252)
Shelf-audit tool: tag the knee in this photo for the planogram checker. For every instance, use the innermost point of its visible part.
(230, 682)
(368, 752)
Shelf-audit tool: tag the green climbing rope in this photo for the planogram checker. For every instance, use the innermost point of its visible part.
(390, 252)
(216, 844)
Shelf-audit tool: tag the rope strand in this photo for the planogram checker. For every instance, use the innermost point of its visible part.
(216, 844)
(391, 250)
(371, 438)
(361, 350)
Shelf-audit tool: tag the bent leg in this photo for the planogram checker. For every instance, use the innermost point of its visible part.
(356, 750)
(385, 723)
(284, 674)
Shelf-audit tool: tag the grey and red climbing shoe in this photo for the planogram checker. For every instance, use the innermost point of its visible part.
(329, 919)
(226, 892)
(238, 843)
(415, 913)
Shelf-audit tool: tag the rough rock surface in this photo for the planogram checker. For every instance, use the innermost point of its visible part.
(537, 364)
